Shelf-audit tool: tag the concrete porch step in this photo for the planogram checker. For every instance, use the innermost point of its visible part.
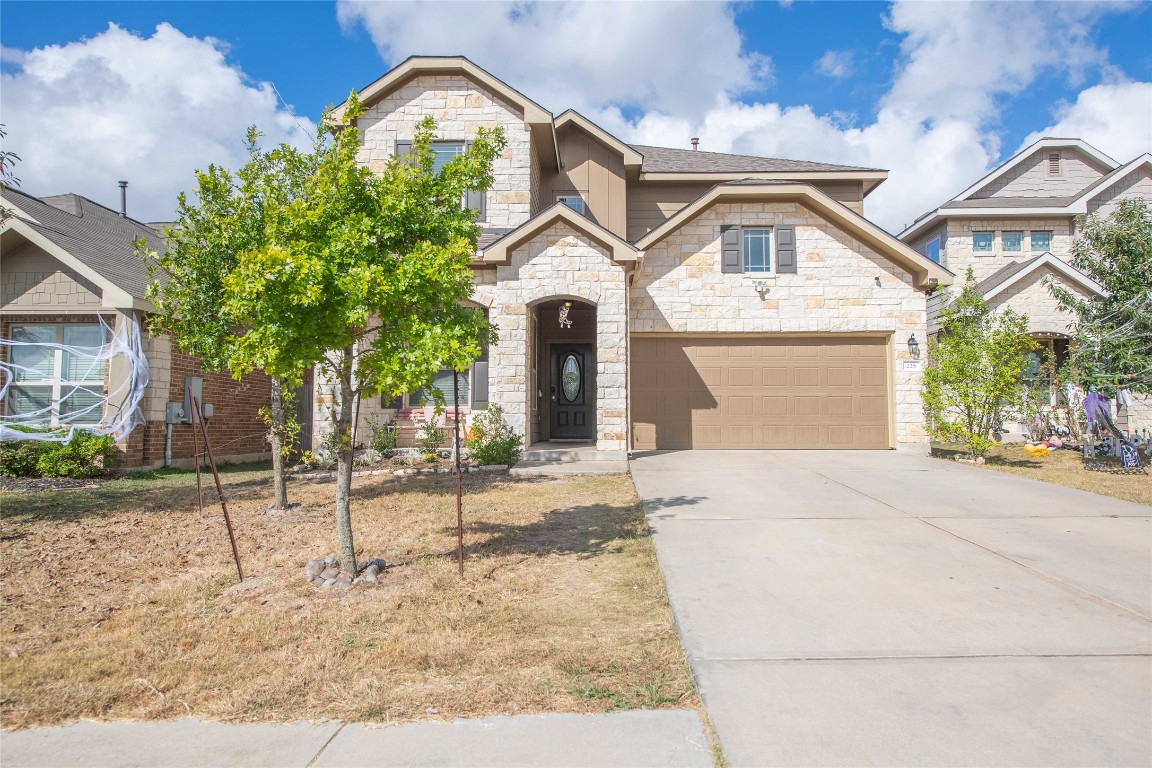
(565, 453)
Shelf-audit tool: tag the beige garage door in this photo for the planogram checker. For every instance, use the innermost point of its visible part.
(759, 393)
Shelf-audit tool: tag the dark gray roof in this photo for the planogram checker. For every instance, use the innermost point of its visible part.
(1004, 274)
(665, 160)
(1011, 202)
(490, 235)
(98, 236)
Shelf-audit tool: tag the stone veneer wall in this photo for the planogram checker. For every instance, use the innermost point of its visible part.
(959, 254)
(460, 108)
(1030, 296)
(559, 263)
(680, 288)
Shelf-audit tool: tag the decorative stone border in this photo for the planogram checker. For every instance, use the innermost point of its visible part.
(318, 477)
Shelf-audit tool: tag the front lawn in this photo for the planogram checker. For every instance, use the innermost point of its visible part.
(121, 601)
(1064, 467)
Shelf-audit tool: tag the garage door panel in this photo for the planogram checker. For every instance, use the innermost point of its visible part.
(760, 393)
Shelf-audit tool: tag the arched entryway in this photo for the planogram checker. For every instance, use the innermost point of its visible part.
(563, 353)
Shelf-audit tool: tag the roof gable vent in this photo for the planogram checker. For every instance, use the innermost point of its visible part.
(1053, 163)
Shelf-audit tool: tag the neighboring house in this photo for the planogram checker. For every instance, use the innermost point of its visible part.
(714, 300)
(72, 277)
(1015, 229)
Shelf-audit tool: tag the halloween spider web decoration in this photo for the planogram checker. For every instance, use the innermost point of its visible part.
(87, 403)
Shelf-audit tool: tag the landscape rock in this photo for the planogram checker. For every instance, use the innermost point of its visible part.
(328, 582)
(493, 467)
(331, 572)
(313, 569)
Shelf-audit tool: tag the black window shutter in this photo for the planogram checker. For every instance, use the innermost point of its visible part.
(474, 199)
(786, 249)
(730, 257)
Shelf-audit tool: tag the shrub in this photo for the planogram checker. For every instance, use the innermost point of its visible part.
(432, 437)
(83, 456)
(491, 440)
(384, 435)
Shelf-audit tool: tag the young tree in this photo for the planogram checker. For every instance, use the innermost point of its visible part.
(973, 379)
(365, 278)
(1113, 333)
(234, 214)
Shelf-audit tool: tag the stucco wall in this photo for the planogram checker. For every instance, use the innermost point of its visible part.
(1136, 184)
(32, 279)
(460, 108)
(1030, 178)
(959, 254)
(558, 263)
(841, 286)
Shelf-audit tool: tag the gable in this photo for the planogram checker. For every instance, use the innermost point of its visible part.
(1032, 176)
(34, 280)
(1138, 183)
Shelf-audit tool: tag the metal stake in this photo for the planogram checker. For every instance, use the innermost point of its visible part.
(219, 487)
(459, 488)
(196, 458)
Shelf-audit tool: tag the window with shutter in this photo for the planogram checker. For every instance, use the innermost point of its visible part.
(786, 249)
(731, 260)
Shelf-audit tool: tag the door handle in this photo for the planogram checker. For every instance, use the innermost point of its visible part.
(553, 394)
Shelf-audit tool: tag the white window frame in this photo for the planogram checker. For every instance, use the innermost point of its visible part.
(582, 210)
(1004, 243)
(769, 248)
(409, 401)
(1031, 243)
(56, 383)
(991, 243)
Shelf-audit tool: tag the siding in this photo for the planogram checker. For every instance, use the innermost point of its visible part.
(1135, 184)
(34, 280)
(595, 172)
(1030, 178)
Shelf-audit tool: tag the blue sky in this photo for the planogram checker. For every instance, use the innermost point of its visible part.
(936, 92)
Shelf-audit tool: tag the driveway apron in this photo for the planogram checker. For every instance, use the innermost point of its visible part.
(884, 608)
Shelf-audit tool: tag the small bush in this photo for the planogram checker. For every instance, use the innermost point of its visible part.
(84, 455)
(384, 435)
(491, 440)
(432, 437)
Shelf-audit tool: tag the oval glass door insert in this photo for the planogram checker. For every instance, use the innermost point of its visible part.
(570, 378)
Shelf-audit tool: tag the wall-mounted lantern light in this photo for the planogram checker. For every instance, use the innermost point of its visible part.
(913, 347)
(564, 321)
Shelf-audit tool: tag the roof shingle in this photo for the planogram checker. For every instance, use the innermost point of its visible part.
(667, 160)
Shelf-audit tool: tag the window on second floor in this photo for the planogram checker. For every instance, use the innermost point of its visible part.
(932, 249)
(1012, 241)
(575, 202)
(443, 152)
(982, 242)
(1041, 242)
(757, 250)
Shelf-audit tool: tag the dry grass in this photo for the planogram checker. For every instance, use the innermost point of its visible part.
(1065, 467)
(122, 602)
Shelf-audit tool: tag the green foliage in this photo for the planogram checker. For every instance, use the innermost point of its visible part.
(84, 455)
(1113, 333)
(491, 439)
(975, 364)
(385, 433)
(432, 437)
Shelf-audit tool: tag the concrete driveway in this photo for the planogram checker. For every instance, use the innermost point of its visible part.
(882, 608)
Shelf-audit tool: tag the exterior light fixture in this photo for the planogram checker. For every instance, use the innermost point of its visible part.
(913, 347)
(564, 321)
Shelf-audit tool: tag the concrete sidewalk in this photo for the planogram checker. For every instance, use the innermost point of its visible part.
(641, 738)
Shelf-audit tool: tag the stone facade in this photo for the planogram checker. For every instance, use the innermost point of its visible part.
(460, 108)
(1030, 296)
(559, 263)
(959, 256)
(841, 287)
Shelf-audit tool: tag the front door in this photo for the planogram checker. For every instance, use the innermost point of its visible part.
(571, 395)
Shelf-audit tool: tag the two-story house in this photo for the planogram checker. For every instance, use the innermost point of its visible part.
(1015, 229)
(650, 297)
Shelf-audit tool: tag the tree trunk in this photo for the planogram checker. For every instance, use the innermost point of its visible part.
(276, 438)
(344, 465)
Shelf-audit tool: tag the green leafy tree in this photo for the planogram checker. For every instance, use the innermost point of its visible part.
(975, 366)
(233, 214)
(1113, 333)
(365, 278)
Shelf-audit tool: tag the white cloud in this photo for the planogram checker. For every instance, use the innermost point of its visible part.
(671, 56)
(151, 110)
(835, 64)
(1116, 118)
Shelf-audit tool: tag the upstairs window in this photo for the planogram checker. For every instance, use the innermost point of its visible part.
(443, 152)
(982, 242)
(1053, 163)
(575, 202)
(1012, 241)
(757, 250)
(932, 249)
(1041, 242)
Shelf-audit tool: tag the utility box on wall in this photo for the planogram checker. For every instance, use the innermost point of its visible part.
(193, 387)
